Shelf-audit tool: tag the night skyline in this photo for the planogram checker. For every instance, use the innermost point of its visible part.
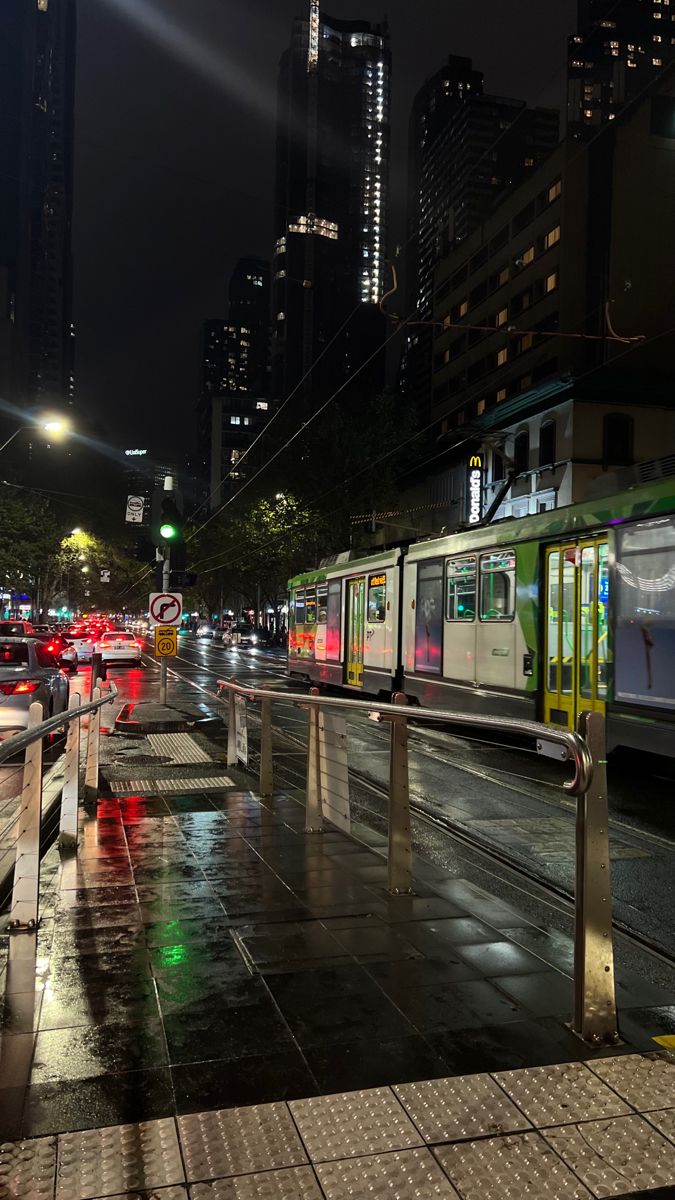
(174, 172)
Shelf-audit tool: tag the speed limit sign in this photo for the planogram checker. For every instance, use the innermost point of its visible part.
(166, 641)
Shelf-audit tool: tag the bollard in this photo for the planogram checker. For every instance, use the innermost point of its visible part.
(400, 846)
(231, 731)
(313, 806)
(71, 782)
(91, 769)
(595, 1017)
(97, 673)
(266, 769)
(25, 895)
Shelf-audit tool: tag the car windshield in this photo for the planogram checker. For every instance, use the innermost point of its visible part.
(13, 654)
(11, 629)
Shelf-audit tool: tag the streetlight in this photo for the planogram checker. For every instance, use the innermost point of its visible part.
(54, 425)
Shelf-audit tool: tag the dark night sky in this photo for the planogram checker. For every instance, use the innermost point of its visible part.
(175, 163)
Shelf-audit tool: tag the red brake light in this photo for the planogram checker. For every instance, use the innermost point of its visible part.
(105, 645)
(18, 687)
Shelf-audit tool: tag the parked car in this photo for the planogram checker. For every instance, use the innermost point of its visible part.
(63, 650)
(15, 628)
(29, 672)
(119, 646)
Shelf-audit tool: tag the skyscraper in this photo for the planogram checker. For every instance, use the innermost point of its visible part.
(235, 386)
(466, 151)
(618, 47)
(37, 83)
(331, 206)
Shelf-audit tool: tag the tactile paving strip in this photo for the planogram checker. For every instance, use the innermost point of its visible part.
(664, 1120)
(645, 1081)
(170, 1193)
(28, 1169)
(236, 1140)
(617, 1156)
(298, 1183)
(402, 1175)
(179, 747)
(445, 1110)
(118, 1159)
(509, 1168)
(351, 1123)
(561, 1094)
(157, 787)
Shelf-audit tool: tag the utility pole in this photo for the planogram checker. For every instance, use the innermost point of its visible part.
(166, 582)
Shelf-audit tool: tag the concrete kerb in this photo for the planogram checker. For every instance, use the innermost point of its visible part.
(145, 717)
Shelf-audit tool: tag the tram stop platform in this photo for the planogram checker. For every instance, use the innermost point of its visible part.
(220, 1006)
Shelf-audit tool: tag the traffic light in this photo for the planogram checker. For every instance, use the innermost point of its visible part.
(168, 526)
(171, 519)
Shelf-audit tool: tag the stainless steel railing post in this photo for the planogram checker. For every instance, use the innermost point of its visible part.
(399, 858)
(71, 782)
(25, 895)
(313, 805)
(595, 1018)
(266, 769)
(231, 729)
(91, 769)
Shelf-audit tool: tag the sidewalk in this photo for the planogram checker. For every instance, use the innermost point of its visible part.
(204, 954)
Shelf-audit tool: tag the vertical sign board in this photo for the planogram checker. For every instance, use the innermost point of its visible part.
(474, 489)
(334, 770)
(241, 728)
(135, 510)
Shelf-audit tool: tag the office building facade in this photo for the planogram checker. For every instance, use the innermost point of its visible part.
(329, 269)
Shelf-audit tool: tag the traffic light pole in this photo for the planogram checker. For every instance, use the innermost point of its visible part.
(164, 666)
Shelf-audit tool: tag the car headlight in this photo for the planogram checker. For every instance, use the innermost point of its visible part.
(254, 640)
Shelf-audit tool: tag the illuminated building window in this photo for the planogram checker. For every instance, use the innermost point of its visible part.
(280, 275)
(588, 112)
(480, 408)
(552, 237)
(281, 316)
(502, 356)
(657, 62)
(501, 395)
(529, 162)
(525, 343)
(235, 420)
(502, 317)
(551, 282)
(503, 276)
(554, 191)
(526, 257)
(280, 246)
(314, 224)
(657, 37)
(463, 308)
(261, 405)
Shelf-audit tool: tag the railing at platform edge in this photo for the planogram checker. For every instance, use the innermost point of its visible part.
(24, 914)
(595, 1014)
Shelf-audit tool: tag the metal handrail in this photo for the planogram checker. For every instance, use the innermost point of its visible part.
(574, 745)
(22, 740)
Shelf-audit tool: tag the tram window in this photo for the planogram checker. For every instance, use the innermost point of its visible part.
(300, 607)
(310, 606)
(460, 590)
(322, 603)
(377, 598)
(644, 609)
(498, 586)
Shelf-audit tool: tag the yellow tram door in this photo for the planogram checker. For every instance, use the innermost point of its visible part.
(356, 628)
(576, 624)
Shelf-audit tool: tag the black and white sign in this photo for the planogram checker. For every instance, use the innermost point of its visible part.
(105, 576)
(241, 728)
(135, 509)
(165, 608)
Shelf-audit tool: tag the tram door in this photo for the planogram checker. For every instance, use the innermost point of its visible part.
(356, 628)
(576, 649)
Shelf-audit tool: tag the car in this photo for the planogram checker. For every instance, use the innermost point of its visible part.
(205, 631)
(246, 636)
(84, 641)
(119, 646)
(63, 650)
(29, 672)
(16, 628)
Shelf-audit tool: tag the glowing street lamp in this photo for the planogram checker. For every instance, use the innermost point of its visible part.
(55, 426)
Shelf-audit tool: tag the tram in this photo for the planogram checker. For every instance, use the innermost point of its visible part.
(539, 617)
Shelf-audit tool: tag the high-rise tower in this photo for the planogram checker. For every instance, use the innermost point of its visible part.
(619, 46)
(331, 200)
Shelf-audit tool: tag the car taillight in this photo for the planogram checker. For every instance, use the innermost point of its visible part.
(105, 645)
(19, 687)
(134, 645)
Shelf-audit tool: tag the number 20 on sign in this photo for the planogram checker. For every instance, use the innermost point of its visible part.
(166, 641)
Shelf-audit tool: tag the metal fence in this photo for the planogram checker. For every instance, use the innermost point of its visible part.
(27, 820)
(595, 1016)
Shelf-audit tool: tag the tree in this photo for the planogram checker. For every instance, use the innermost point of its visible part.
(29, 542)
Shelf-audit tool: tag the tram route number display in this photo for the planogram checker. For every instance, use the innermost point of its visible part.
(166, 641)
(241, 728)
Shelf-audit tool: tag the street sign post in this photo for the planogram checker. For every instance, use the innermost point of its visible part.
(166, 641)
(165, 608)
(135, 510)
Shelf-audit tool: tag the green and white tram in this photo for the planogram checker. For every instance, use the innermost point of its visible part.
(540, 617)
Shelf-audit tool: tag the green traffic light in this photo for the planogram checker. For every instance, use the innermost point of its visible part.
(168, 532)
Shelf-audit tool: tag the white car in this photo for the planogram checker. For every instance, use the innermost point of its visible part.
(119, 646)
(28, 672)
(84, 642)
